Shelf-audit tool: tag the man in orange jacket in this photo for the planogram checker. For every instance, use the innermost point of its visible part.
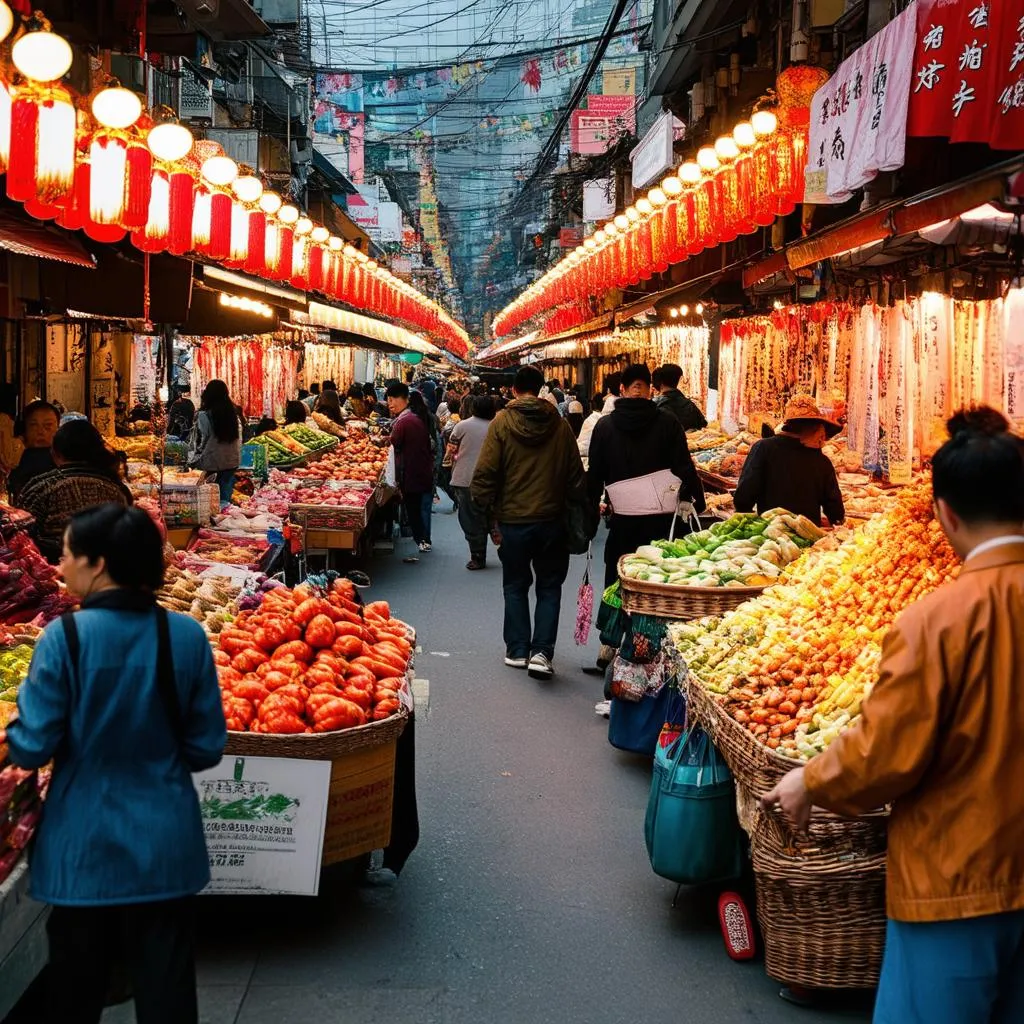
(941, 738)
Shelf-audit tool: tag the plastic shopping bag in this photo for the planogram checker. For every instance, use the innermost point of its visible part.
(691, 829)
(584, 606)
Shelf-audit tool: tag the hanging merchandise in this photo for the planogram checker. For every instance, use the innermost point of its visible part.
(328, 362)
(261, 371)
(859, 117)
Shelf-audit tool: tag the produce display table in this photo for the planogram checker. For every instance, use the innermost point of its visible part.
(23, 945)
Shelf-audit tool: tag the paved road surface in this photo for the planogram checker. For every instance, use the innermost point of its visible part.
(530, 898)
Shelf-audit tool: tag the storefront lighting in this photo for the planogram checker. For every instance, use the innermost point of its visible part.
(108, 159)
(335, 244)
(673, 312)
(320, 234)
(169, 141)
(726, 148)
(589, 244)
(116, 107)
(699, 309)
(684, 310)
(644, 207)
(42, 55)
(764, 123)
(220, 170)
(672, 186)
(246, 305)
(657, 197)
(600, 237)
(248, 188)
(707, 159)
(303, 226)
(689, 173)
(270, 202)
(622, 222)
(610, 229)
(777, 304)
(744, 135)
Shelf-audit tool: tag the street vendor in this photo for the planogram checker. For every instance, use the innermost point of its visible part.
(941, 739)
(789, 470)
(39, 423)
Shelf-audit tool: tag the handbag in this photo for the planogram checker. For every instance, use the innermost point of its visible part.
(580, 525)
(584, 604)
(646, 495)
(690, 828)
(634, 726)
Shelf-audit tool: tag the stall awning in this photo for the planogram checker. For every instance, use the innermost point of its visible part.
(891, 220)
(321, 315)
(28, 237)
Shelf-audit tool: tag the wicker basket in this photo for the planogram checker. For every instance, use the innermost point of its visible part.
(822, 917)
(317, 746)
(671, 602)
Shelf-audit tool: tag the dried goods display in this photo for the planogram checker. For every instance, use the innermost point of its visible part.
(746, 550)
(312, 660)
(210, 601)
(794, 664)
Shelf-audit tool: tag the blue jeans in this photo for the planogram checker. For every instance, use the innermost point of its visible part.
(528, 549)
(226, 483)
(426, 508)
(953, 972)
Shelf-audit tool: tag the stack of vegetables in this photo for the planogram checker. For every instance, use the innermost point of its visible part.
(282, 448)
(210, 601)
(746, 550)
(30, 588)
(312, 660)
(795, 663)
(313, 440)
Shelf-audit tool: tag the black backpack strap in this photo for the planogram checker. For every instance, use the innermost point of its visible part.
(165, 684)
(70, 627)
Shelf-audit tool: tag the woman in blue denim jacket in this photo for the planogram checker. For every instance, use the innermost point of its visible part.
(124, 699)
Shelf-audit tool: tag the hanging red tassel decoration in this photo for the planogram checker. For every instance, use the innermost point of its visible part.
(181, 198)
(239, 246)
(646, 249)
(21, 170)
(5, 126)
(799, 141)
(220, 225)
(255, 261)
(785, 173)
(744, 167)
(56, 142)
(153, 238)
(300, 255)
(728, 190)
(315, 260)
(703, 198)
(139, 161)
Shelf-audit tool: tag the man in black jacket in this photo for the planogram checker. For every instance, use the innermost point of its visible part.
(672, 400)
(635, 439)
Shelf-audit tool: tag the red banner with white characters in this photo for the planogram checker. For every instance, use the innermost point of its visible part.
(968, 83)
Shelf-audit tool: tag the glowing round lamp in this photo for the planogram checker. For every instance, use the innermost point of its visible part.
(116, 107)
(270, 202)
(632, 215)
(42, 56)
(610, 229)
(248, 188)
(288, 214)
(220, 170)
(689, 173)
(764, 123)
(726, 148)
(707, 159)
(644, 207)
(320, 234)
(744, 135)
(672, 186)
(169, 141)
(657, 197)
(335, 244)
(303, 226)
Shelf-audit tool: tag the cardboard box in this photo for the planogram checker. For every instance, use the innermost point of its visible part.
(359, 803)
(331, 540)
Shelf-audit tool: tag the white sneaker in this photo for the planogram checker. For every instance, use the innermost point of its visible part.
(515, 662)
(425, 545)
(603, 708)
(540, 667)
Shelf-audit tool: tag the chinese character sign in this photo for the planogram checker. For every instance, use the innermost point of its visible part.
(859, 116)
(968, 82)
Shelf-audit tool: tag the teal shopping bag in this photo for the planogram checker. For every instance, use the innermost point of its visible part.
(691, 829)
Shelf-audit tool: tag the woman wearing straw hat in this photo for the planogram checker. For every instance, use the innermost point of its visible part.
(790, 470)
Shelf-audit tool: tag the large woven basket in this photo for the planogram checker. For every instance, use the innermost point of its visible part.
(822, 917)
(323, 746)
(671, 602)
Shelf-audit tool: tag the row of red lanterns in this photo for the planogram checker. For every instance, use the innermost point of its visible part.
(736, 187)
(115, 174)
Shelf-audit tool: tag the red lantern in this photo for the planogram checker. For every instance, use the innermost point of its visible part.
(285, 236)
(744, 167)
(108, 160)
(271, 248)
(5, 126)
(727, 190)
(74, 208)
(108, 233)
(799, 165)
(42, 211)
(42, 159)
(300, 263)
(238, 251)
(646, 249)
(221, 206)
(181, 198)
(201, 217)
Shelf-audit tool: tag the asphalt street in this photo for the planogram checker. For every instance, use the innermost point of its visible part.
(530, 899)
